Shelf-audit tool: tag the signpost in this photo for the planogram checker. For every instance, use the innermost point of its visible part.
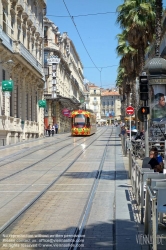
(66, 112)
(130, 112)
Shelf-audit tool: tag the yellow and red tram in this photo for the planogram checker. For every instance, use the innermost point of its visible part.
(83, 122)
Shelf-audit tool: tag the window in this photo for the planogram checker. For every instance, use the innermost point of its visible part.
(28, 43)
(3, 75)
(27, 102)
(19, 32)
(4, 22)
(45, 31)
(11, 104)
(45, 57)
(95, 91)
(17, 102)
(31, 109)
(95, 98)
(12, 23)
(35, 10)
(103, 103)
(56, 39)
(23, 37)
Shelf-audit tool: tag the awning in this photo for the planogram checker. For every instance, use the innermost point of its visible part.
(102, 120)
(127, 118)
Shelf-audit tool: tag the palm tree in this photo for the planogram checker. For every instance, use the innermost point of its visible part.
(158, 7)
(138, 17)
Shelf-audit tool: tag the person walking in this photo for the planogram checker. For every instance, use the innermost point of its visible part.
(49, 129)
(56, 128)
(53, 130)
(123, 138)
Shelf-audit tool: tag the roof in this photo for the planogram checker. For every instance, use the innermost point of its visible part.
(110, 93)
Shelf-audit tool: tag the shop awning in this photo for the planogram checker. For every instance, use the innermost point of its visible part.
(127, 118)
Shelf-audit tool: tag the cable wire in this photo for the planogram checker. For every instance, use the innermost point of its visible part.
(72, 18)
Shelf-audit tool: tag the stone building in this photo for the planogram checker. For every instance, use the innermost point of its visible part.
(110, 105)
(21, 57)
(64, 77)
(93, 98)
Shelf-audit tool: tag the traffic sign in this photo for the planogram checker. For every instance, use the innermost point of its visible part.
(129, 110)
(66, 112)
(7, 85)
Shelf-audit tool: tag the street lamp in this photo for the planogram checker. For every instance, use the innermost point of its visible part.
(53, 61)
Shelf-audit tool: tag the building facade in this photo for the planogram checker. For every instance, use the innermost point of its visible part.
(110, 105)
(21, 59)
(93, 99)
(64, 79)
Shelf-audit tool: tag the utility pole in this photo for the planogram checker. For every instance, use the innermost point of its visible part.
(144, 96)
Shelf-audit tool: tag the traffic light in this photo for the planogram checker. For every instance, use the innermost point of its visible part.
(144, 110)
(144, 88)
(142, 113)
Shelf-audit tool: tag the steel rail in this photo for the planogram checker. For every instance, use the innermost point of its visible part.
(84, 217)
(27, 206)
(32, 165)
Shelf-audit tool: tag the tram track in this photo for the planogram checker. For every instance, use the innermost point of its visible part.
(80, 229)
(28, 205)
(41, 160)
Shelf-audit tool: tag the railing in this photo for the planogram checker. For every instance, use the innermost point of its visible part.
(6, 40)
(95, 102)
(146, 185)
(19, 47)
(154, 200)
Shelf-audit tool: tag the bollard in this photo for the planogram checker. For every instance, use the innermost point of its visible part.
(146, 228)
(130, 163)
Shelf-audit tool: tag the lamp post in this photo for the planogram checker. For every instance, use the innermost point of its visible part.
(53, 61)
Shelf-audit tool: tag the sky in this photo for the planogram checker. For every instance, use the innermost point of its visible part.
(91, 25)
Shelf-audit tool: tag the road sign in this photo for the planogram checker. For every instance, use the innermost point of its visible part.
(129, 110)
(7, 85)
(42, 103)
(66, 112)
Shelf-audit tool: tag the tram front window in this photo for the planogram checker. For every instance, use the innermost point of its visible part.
(79, 121)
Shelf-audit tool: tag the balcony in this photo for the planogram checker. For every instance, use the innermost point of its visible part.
(94, 94)
(95, 102)
(87, 98)
(6, 40)
(20, 5)
(20, 50)
(25, 12)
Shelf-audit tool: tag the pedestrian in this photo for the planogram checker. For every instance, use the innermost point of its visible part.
(53, 130)
(49, 129)
(123, 135)
(56, 128)
(45, 127)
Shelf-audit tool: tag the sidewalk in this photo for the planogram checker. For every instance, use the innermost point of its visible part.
(126, 225)
(137, 217)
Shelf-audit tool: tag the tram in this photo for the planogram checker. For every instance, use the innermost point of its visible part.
(83, 122)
